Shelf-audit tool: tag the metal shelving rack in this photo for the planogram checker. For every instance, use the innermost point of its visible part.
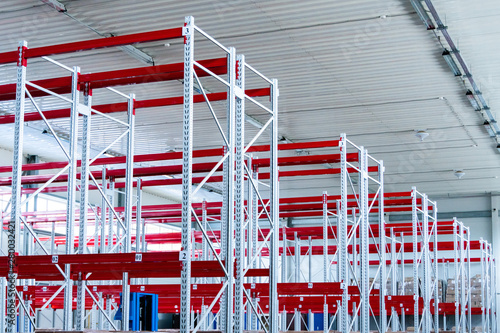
(233, 179)
(234, 169)
(425, 261)
(361, 223)
(214, 278)
(123, 223)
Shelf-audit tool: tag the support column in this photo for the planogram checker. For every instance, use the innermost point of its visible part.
(239, 221)
(493, 279)
(15, 218)
(495, 242)
(129, 174)
(342, 255)
(71, 201)
(139, 232)
(284, 276)
(298, 315)
(484, 282)
(463, 295)
(274, 205)
(108, 312)
(394, 287)
(436, 271)
(468, 276)
(326, 260)
(187, 174)
(223, 237)
(310, 315)
(104, 216)
(125, 302)
(365, 239)
(325, 237)
(383, 243)
(456, 248)
(255, 238)
(416, 321)
(231, 182)
(111, 198)
(84, 203)
(426, 283)
(2, 302)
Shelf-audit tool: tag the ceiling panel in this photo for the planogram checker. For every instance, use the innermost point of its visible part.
(365, 68)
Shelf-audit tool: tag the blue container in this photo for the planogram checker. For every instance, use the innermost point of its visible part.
(143, 309)
(318, 322)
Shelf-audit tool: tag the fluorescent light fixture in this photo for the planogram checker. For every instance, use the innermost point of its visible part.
(453, 65)
(489, 129)
(138, 54)
(421, 134)
(55, 4)
(253, 121)
(472, 99)
(422, 13)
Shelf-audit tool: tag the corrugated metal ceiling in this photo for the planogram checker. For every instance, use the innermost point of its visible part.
(367, 68)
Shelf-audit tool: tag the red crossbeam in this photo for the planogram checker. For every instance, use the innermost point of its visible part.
(121, 107)
(62, 85)
(92, 44)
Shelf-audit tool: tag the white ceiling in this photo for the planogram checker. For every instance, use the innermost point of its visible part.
(367, 68)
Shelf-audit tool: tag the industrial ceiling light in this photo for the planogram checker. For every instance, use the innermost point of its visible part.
(472, 99)
(488, 128)
(251, 120)
(422, 13)
(453, 65)
(138, 54)
(459, 173)
(421, 134)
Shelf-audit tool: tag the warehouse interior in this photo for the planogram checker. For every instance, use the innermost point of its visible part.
(249, 166)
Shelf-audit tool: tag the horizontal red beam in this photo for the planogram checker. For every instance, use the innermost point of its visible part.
(121, 107)
(300, 296)
(172, 170)
(92, 44)
(111, 266)
(175, 155)
(62, 85)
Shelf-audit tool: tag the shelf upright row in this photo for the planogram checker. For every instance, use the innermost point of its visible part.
(235, 170)
(461, 243)
(425, 262)
(329, 275)
(366, 205)
(23, 94)
(488, 288)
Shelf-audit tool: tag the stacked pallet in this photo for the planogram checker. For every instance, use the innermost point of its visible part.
(451, 289)
(440, 290)
(408, 287)
(376, 285)
(475, 288)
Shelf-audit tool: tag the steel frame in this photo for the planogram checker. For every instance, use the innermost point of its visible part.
(463, 320)
(77, 109)
(233, 223)
(425, 262)
(366, 183)
(248, 207)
